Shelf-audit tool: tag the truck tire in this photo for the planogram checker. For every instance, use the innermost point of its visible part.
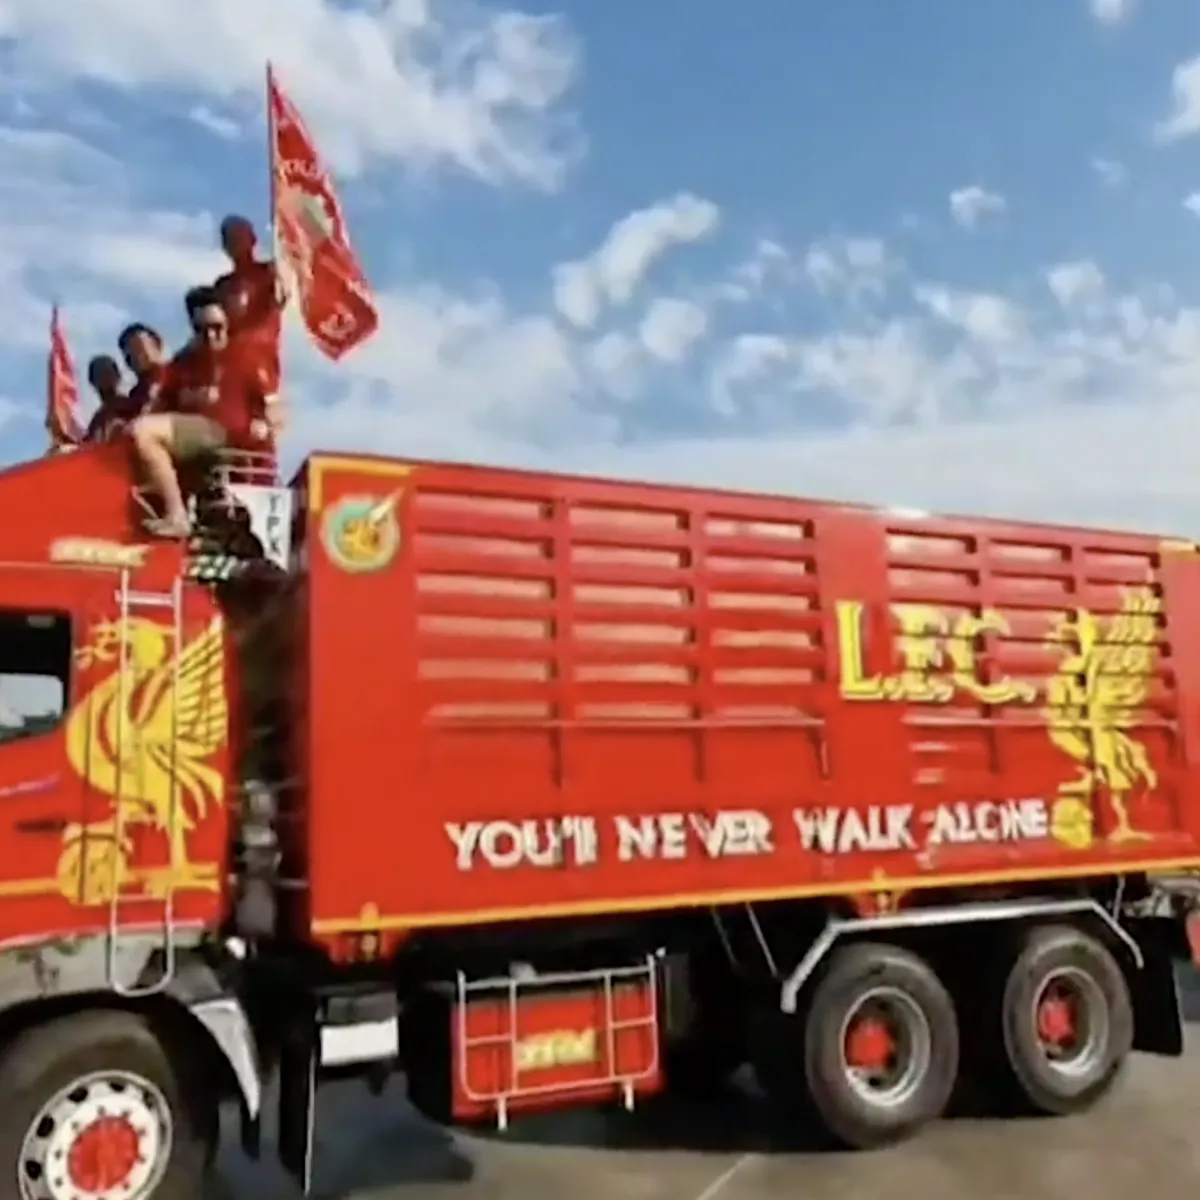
(1067, 1021)
(91, 1104)
(880, 1046)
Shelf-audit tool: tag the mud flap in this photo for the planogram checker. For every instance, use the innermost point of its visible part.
(1157, 1008)
(298, 1099)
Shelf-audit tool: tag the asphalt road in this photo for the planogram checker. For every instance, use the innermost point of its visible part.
(378, 1149)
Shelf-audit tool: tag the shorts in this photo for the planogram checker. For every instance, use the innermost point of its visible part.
(194, 436)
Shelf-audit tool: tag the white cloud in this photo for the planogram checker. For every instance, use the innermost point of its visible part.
(1111, 172)
(611, 276)
(767, 262)
(1112, 12)
(216, 123)
(983, 317)
(1192, 204)
(853, 265)
(671, 328)
(1075, 282)
(1184, 119)
(394, 79)
(969, 205)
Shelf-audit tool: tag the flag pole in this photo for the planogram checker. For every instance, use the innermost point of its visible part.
(49, 401)
(271, 144)
(273, 200)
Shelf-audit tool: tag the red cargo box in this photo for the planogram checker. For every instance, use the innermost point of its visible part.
(531, 695)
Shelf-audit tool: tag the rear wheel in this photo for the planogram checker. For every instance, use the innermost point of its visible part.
(91, 1108)
(1067, 1021)
(880, 1048)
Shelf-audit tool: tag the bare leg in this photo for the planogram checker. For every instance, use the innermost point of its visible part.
(152, 436)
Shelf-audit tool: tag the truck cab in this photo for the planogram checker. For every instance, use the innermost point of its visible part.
(121, 744)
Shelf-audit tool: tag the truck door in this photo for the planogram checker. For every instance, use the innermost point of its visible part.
(43, 616)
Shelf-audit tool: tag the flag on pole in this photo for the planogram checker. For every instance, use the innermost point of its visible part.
(331, 288)
(62, 391)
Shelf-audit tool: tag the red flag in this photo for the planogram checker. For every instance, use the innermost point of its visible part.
(62, 391)
(335, 297)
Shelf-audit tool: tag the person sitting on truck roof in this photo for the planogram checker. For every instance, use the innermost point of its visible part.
(213, 396)
(114, 412)
(252, 294)
(142, 349)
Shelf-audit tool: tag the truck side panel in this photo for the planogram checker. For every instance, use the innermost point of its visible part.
(552, 695)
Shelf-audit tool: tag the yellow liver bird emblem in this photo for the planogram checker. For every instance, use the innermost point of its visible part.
(144, 736)
(1093, 701)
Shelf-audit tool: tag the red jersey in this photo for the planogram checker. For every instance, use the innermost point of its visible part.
(230, 387)
(253, 302)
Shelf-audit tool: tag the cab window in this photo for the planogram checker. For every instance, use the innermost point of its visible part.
(35, 670)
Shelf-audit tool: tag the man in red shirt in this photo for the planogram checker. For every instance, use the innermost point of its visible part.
(252, 294)
(213, 395)
(115, 411)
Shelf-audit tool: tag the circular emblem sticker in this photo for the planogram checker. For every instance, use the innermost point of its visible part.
(361, 533)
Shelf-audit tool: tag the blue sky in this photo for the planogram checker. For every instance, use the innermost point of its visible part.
(932, 254)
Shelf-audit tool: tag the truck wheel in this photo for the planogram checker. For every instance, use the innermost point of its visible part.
(880, 1045)
(1067, 1020)
(91, 1108)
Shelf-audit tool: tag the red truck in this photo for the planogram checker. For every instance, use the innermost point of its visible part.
(546, 790)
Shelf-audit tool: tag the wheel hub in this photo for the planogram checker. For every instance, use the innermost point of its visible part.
(1070, 1018)
(869, 1044)
(105, 1137)
(1056, 1019)
(104, 1155)
(887, 1047)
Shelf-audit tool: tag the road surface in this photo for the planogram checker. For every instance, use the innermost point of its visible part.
(1145, 1136)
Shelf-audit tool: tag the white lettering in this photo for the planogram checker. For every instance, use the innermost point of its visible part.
(637, 837)
(465, 839)
(732, 834)
(965, 824)
(726, 834)
(545, 843)
(875, 829)
(878, 828)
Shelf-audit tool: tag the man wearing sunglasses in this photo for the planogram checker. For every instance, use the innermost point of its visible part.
(213, 395)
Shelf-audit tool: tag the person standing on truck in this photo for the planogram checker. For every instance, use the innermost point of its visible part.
(214, 395)
(114, 413)
(252, 294)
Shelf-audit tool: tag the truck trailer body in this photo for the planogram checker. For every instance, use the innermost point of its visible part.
(547, 790)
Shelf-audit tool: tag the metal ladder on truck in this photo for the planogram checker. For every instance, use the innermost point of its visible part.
(156, 969)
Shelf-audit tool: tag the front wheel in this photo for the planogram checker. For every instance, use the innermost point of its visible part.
(91, 1108)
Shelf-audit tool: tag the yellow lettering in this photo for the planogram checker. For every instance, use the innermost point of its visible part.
(562, 1048)
(94, 552)
(856, 684)
(961, 649)
(921, 643)
(938, 657)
